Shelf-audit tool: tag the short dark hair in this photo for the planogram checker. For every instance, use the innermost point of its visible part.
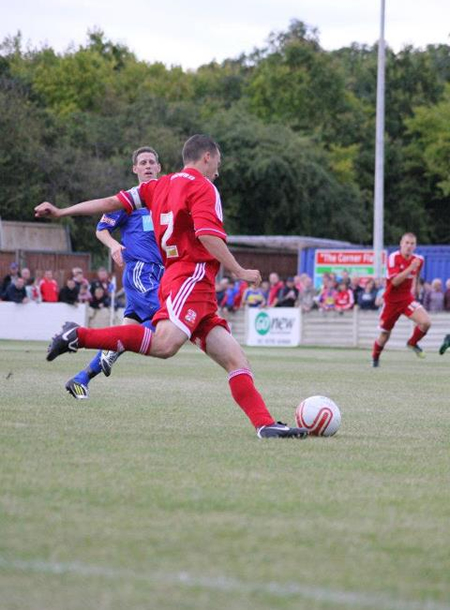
(198, 145)
(141, 150)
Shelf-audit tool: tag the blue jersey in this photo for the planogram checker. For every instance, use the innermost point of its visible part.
(143, 263)
(137, 235)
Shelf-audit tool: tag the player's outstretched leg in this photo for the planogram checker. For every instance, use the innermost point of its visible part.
(78, 386)
(109, 358)
(445, 345)
(118, 338)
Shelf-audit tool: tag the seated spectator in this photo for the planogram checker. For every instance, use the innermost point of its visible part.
(366, 298)
(10, 277)
(100, 299)
(84, 294)
(275, 286)
(69, 293)
(307, 295)
(355, 287)
(447, 296)
(253, 297)
(15, 291)
(327, 295)
(343, 300)
(49, 288)
(102, 281)
(288, 295)
(434, 298)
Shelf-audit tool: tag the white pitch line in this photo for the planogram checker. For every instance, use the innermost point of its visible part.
(318, 594)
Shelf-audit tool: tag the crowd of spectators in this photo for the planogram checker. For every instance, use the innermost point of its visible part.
(19, 286)
(337, 294)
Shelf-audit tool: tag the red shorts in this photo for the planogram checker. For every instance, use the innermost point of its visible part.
(391, 312)
(189, 301)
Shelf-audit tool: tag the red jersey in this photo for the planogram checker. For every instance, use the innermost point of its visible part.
(184, 206)
(396, 264)
(49, 290)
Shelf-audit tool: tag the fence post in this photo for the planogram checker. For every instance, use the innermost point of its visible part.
(300, 330)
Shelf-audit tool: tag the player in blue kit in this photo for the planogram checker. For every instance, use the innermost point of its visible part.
(142, 273)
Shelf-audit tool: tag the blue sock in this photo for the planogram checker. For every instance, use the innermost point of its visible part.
(92, 370)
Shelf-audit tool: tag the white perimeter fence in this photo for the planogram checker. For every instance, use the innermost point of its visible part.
(271, 327)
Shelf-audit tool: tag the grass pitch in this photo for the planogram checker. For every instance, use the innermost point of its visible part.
(156, 493)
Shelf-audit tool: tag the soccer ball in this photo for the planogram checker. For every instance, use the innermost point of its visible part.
(318, 414)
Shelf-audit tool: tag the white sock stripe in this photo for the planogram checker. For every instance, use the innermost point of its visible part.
(240, 372)
(187, 288)
(146, 340)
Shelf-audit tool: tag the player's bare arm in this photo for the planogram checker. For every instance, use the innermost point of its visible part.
(218, 248)
(402, 276)
(114, 246)
(85, 208)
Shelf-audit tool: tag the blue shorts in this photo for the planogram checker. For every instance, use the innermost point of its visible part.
(141, 285)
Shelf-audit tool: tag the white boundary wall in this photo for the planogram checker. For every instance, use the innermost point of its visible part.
(38, 321)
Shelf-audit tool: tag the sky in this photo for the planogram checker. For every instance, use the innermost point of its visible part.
(193, 33)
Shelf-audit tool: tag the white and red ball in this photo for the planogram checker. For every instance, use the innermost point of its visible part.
(318, 414)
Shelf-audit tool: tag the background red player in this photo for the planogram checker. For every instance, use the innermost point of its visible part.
(403, 269)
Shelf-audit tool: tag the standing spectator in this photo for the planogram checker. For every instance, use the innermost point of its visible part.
(69, 293)
(288, 295)
(15, 292)
(265, 287)
(228, 299)
(434, 298)
(366, 298)
(49, 288)
(327, 295)
(26, 275)
(345, 278)
(307, 295)
(102, 281)
(34, 292)
(253, 297)
(78, 277)
(344, 298)
(221, 288)
(379, 299)
(447, 296)
(355, 287)
(239, 288)
(8, 279)
(275, 286)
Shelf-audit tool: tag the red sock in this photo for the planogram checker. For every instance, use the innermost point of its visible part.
(416, 336)
(248, 398)
(116, 338)
(377, 349)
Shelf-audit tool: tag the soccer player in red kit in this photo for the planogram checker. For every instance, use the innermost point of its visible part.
(403, 269)
(188, 224)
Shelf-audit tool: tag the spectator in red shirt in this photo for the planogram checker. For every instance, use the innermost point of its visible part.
(275, 286)
(343, 300)
(49, 288)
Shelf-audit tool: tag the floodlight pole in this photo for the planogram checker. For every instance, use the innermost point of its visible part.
(378, 204)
